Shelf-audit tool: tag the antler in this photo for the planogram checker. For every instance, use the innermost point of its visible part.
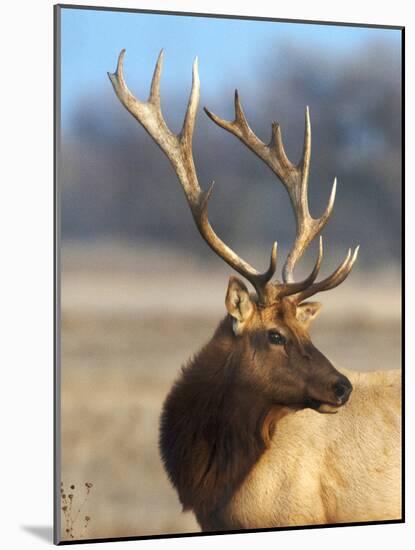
(178, 149)
(295, 180)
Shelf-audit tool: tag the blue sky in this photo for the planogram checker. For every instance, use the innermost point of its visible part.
(229, 50)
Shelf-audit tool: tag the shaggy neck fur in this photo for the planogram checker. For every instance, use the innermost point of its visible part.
(213, 430)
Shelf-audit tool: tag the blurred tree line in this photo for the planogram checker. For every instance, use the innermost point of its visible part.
(116, 183)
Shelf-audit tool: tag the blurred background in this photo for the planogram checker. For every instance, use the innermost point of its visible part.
(141, 291)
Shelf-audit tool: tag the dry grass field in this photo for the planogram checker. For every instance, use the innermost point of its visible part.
(130, 319)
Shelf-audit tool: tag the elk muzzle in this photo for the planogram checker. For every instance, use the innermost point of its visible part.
(332, 397)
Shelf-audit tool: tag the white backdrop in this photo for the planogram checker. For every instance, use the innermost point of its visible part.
(27, 283)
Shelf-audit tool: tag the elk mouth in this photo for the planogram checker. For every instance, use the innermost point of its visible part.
(324, 407)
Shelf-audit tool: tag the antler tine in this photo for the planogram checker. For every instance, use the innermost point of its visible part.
(191, 112)
(287, 289)
(307, 229)
(333, 280)
(147, 113)
(178, 149)
(273, 154)
(304, 164)
(154, 96)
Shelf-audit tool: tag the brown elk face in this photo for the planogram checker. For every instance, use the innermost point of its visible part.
(277, 355)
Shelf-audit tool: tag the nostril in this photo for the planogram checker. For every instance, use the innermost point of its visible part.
(339, 390)
(342, 390)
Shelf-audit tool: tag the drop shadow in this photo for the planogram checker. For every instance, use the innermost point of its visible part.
(43, 532)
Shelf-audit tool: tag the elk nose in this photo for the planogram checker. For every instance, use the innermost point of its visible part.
(342, 389)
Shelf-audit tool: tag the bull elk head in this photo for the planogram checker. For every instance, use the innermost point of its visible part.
(275, 320)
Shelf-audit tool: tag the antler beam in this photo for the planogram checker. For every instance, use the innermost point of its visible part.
(178, 149)
(295, 180)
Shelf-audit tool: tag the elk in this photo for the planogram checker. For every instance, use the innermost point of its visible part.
(260, 430)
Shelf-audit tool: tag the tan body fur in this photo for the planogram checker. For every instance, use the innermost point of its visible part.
(329, 468)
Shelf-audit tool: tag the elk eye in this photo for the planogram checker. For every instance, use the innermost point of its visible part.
(276, 338)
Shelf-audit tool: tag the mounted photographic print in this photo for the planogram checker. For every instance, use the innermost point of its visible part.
(220, 183)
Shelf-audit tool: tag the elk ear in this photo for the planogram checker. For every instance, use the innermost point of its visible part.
(307, 312)
(239, 304)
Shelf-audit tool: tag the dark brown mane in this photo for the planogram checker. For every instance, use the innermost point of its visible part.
(212, 429)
